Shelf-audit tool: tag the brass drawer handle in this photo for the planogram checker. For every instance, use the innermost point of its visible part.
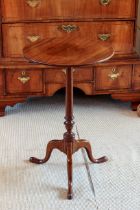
(68, 28)
(114, 74)
(23, 78)
(33, 38)
(33, 3)
(64, 70)
(104, 37)
(105, 2)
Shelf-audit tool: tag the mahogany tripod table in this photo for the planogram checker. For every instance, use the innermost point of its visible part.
(68, 52)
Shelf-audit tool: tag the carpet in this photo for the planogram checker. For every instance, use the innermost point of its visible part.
(113, 130)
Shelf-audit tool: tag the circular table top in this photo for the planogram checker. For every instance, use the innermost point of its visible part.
(68, 51)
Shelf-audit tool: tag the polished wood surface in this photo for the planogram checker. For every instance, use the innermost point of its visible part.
(59, 75)
(68, 51)
(24, 81)
(120, 34)
(1, 82)
(136, 80)
(112, 78)
(64, 9)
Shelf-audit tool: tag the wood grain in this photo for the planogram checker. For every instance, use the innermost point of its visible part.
(59, 75)
(35, 83)
(64, 9)
(121, 34)
(136, 78)
(113, 77)
(1, 82)
(68, 51)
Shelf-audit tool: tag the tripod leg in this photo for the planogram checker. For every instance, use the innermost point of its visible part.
(90, 156)
(53, 144)
(69, 170)
(82, 143)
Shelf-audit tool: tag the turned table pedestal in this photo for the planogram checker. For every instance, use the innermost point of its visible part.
(68, 52)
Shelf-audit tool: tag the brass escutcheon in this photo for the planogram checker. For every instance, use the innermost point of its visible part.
(33, 38)
(33, 3)
(68, 28)
(23, 78)
(104, 37)
(105, 2)
(114, 74)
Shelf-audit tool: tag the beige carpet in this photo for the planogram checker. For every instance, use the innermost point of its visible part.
(112, 128)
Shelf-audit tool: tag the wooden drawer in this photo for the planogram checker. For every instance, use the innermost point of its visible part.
(1, 82)
(113, 78)
(59, 76)
(24, 81)
(13, 10)
(136, 77)
(117, 33)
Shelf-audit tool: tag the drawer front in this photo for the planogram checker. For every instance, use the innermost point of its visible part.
(70, 9)
(136, 77)
(24, 81)
(1, 82)
(59, 75)
(113, 78)
(117, 33)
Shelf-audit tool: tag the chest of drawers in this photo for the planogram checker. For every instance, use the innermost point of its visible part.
(26, 21)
